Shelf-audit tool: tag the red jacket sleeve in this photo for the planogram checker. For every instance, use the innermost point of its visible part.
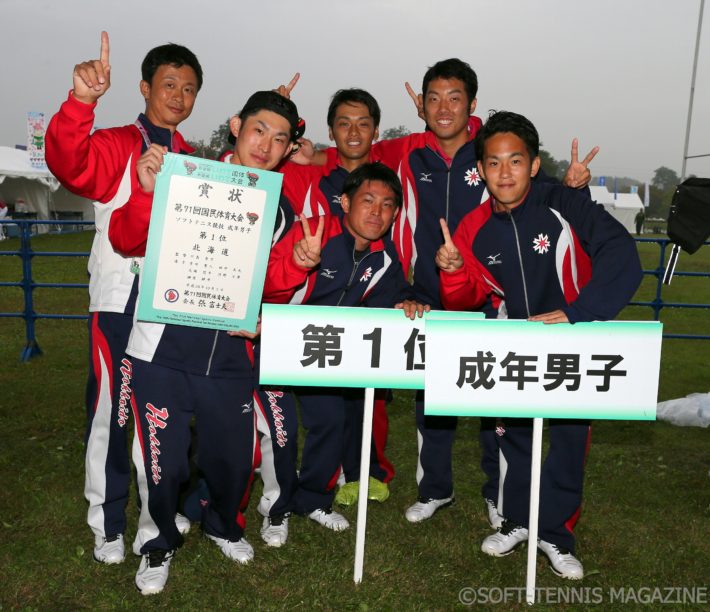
(283, 275)
(464, 289)
(298, 186)
(89, 165)
(128, 228)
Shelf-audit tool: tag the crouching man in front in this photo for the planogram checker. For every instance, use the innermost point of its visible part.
(339, 262)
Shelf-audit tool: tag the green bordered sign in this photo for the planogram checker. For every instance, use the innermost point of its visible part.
(328, 346)
(507, 368)
(208, 244)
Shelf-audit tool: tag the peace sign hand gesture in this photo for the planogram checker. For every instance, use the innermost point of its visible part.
(578, 174)
(306, 252)
(448, 257)
(93, 78)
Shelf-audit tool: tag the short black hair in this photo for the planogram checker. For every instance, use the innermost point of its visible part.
(505, 121)
(373, 172)
(354, 96)
(453, 68)
(272, 101)
(172, 55)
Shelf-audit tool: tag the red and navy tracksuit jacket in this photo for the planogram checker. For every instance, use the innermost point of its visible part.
(434, 187)
(343, 278)
(556, 250)
(101, 167)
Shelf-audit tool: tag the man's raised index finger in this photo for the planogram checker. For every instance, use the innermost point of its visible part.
(411, 92)
(292, 82)
(445, 231)
(104, 48)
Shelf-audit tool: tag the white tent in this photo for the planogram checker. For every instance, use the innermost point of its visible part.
(623, 207)
(39, 189)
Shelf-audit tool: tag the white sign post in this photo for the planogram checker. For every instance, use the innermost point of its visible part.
(535, 467)
(364, 484)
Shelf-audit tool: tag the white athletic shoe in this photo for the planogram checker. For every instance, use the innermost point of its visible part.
(109, 550)
(153, 571)
(504, 541)
(274, 530)
(425, 508)
(239, 551)
(562, 561)
(182, 523)
(495, 520)
(330, 519)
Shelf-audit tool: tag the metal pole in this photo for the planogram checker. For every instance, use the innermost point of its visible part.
(692, 91)
(31, 347)
(535, 468)
(364, 483)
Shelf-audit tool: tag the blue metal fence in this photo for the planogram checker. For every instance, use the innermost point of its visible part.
(657, 303)
(25, 252)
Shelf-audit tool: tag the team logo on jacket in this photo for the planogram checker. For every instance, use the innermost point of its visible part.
(278, 416)
(472, 177)
(336, 200)
(541, 244)
(157, 419)
(124, 397)
(367, 275)
(424, 178)
(494, 259)
(172, 296)
(246, 407)
(328, 273)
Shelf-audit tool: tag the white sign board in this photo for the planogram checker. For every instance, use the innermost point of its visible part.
(329, 346)
(600, 370)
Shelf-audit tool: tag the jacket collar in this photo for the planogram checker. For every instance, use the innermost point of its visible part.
(163, 136)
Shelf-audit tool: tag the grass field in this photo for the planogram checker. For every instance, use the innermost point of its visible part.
(644, 525)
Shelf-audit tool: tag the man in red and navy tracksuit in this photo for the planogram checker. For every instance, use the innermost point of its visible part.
(541, 252)
(101, 166)
(181, 371)
(338, 262)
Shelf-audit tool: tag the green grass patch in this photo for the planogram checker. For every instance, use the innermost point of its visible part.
(644, 525)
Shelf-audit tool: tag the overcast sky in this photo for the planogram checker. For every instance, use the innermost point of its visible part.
(615, 73)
